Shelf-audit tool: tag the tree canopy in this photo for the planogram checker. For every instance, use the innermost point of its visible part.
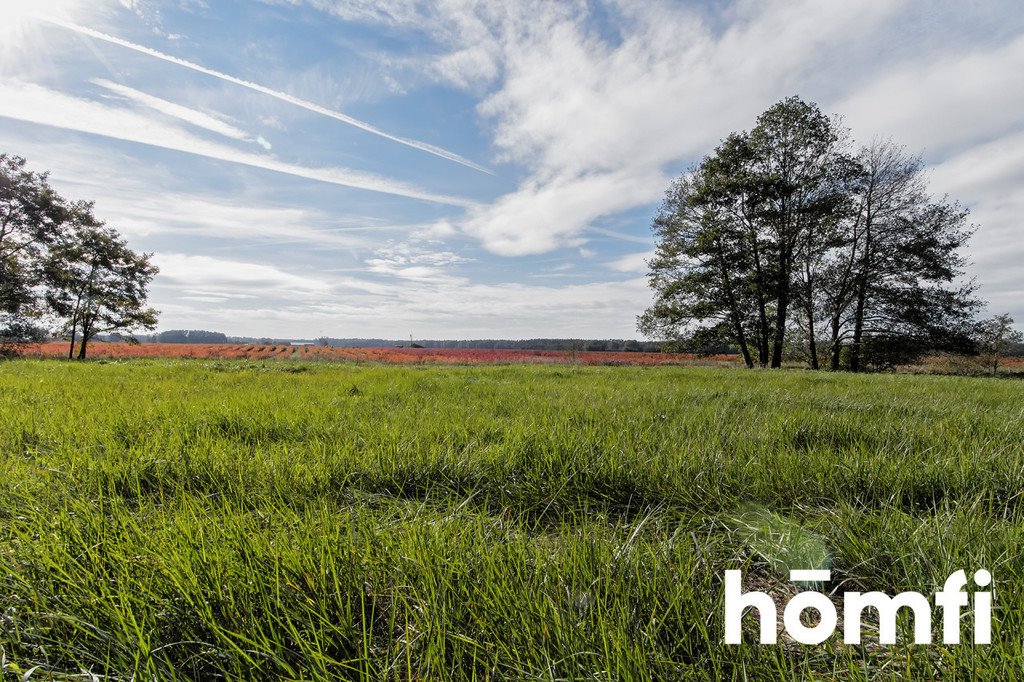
(788, 241)
(62, 270)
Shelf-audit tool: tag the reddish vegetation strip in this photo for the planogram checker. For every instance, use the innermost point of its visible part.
(58, 349)
(942, 362)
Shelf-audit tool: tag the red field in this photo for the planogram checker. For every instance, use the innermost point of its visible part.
(58, 349)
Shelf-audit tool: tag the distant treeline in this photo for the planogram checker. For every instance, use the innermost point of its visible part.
(611, 345)
(188, 336)
(617, 345)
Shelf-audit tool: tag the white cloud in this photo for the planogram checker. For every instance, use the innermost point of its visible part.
(595, 120)
(185, 215)
(987, 171)
(989, 176)
(467, 67)
(938, 104)
(596, 112)
(621, 235)
(573, 102)
(21, 39)
(415, 262)
(437, 230)
(28, 102)
(543, 216)
(633, 262)
(389, 12)
(228, 278)
(273, 122)
(290, 305)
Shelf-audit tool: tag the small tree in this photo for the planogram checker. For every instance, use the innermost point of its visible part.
(996, 339)
(97, 283)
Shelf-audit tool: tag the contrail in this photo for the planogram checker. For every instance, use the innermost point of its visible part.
(39, 105)
(283, 96)
(182, 113)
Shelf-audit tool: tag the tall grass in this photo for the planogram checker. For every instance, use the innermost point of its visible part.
(196, 520)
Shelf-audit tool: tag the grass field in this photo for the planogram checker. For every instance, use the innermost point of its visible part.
(201, 519)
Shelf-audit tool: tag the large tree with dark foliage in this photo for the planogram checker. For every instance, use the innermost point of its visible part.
(32, 217)
(61, 266)
(784, 240)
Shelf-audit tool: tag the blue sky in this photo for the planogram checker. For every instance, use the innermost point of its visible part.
(459, 168)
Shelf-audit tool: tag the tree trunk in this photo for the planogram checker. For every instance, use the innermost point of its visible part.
(734, 309)
(858, 326)
(86, 335)
(741, 338)
(836, 346)
(813, 341)
(781, 311)
(747, 360)
(762, 340)
(780, 332)
(762, 314)
(809, 309)
(862, 288)
(74, 325)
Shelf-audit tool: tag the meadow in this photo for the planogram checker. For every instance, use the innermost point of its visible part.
(287, 519)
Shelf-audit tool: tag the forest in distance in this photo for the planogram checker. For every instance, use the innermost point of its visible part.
(614, 345)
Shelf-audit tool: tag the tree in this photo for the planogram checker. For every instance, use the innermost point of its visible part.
(903, 249)
(996, 339)
(797, 167)
(784, 238)
(58, 261)
(32, 217)
(700, 272)
(741, 235)
(97, 283)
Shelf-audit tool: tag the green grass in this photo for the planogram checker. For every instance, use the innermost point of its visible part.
(297, 520)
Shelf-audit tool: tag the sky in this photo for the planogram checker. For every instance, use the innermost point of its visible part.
(474, 169)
